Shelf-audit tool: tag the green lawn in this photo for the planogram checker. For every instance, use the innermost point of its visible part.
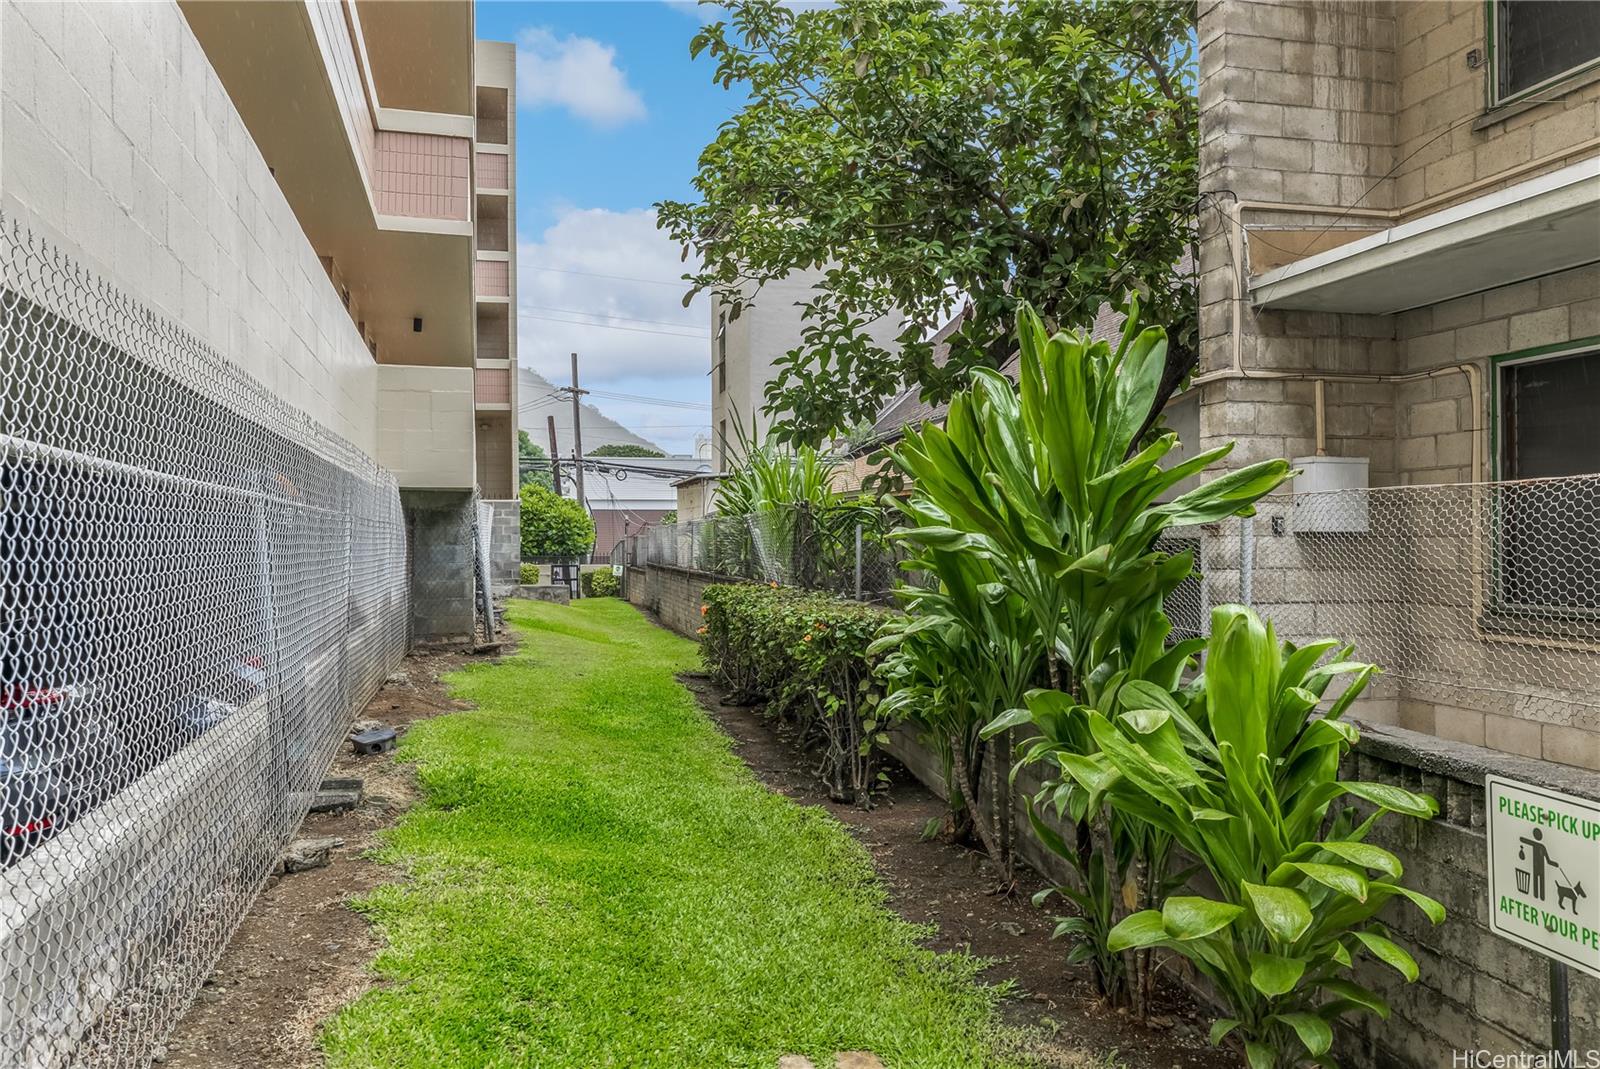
(595, 879)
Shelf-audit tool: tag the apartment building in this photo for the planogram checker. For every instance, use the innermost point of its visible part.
(745, 351)
(312, 190)
(256, 436)
(1400, 288)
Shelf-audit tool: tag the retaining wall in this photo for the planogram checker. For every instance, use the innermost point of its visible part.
(1476, 990)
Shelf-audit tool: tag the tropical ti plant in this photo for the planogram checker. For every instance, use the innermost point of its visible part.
(1046, 482)
(1241, 771)
(960, 656)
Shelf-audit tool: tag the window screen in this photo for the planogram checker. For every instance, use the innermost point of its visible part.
(1537, 40)
(1550, 427)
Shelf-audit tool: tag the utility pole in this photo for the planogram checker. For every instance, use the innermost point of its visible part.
(577, 434)
(555, 457)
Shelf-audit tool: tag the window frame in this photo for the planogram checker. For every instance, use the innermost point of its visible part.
(722, 353)
(1493, 10)
(1500, 616)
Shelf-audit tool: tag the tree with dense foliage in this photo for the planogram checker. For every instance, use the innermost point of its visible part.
(532, 464)
(926, 155)
(626, 449)
(554, 526)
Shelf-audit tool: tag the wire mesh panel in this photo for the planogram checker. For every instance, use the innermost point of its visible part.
(199, 583)
(845, 551)
(1480, 602)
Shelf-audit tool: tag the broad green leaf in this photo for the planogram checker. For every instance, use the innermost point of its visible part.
(1390, 954)
(1143, 929)
(1221, 1027)
(1005, 721)
(1186, 917)
(1366, 855)
(1313, 1031)
(1283, 911)
(1346, 881)
(1273, 974)
(1259, 1056)
(1393, 798)
(1361, 996)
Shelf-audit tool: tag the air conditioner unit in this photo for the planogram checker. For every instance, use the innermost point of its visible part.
(1330, 495)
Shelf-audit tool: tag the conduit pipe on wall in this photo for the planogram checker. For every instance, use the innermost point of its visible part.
(1237, 370)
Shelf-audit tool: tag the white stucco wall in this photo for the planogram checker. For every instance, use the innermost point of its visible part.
(119, 144)
(757, 340)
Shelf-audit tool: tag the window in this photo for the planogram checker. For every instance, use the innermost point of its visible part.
(1538, 42)
(722, 446)
(1546, 532)
(722, 353)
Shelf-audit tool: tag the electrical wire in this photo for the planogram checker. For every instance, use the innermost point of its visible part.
(612, 326)
(610, 315)
(621, 278)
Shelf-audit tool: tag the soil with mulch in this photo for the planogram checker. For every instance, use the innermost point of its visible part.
(935, 882)
(301, 953)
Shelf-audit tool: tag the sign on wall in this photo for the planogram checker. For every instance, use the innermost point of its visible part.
(1544, 871)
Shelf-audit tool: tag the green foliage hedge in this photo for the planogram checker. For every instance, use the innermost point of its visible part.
(601, 584)
(530, 574)
(805, 655)
(554, 526)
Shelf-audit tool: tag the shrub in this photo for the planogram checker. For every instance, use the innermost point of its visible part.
(554, 526)
(601, 584)
(1242, 772)
(530, 574)
(806, 655)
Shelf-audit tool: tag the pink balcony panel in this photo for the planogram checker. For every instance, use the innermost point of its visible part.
(493, 170)
(494, 278)
(423, 176)
(492, 386)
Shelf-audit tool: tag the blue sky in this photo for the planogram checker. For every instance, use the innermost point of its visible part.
(612, 114)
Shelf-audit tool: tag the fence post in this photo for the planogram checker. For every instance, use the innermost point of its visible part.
(858, 561)
(1247, 560)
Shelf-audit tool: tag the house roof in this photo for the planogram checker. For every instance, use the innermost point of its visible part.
(908, 409)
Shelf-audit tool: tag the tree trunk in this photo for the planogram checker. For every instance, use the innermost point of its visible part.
(969, 788)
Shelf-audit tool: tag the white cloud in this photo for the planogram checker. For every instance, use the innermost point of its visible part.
(576, 73)
(603, 284)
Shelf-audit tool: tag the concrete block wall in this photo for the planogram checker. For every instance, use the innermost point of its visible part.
(672, 594)
(1443, 138)
(505, 545)
(119, 143)
(426, 433)
(1434, 416)
(1296, 105)
(439, 535)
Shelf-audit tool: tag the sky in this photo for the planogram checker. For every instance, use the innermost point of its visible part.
(611, 117)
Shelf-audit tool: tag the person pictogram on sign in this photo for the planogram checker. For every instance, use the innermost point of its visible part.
(1541, 856)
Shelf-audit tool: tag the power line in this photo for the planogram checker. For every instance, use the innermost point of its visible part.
(645, 400)
(611, 315)
(612, 326)
(621, 278)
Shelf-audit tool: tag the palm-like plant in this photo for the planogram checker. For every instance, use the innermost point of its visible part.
(962, 654)
(1045, 482)
(1241, 771)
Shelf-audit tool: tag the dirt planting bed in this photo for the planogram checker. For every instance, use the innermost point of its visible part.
(301, 952)
(935, 882)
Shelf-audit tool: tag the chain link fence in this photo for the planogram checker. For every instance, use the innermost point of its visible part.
(844, 551)
(1480, 602)
(199, 583)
